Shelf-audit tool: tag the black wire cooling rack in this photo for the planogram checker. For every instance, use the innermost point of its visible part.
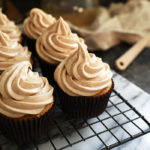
(119, 124)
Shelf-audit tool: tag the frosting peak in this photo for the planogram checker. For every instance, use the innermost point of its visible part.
(60, 27)
(11, 52)
(37, 23)
(82, 73)
(9, 27)
(23, 92)
(57, 43)
(34, 11)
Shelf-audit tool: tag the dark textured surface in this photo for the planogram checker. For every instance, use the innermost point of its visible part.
(138, 72)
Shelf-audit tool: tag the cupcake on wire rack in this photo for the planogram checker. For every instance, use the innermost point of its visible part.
(10, 28)
(84, 84)
(11, 52)
(26, 104)
(56, 44)
(34, 25)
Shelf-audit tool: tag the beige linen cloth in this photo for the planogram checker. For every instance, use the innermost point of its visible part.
(127, 22)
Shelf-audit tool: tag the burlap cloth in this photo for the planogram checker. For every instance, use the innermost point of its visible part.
(127, 22)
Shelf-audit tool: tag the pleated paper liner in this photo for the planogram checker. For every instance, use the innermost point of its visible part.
(27, 130)
(83, 107)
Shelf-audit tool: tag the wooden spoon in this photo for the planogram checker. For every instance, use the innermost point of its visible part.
(126, 59)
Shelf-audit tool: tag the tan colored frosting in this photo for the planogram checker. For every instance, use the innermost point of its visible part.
(11, 52)
(23, 92)
(83, 74)
(36, 23)
(9, 27)
(57, 43)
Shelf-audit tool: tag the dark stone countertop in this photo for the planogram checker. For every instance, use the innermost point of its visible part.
(138, 72)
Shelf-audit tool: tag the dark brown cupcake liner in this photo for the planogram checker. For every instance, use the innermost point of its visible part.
(23, 131)
(30, 43)
(47, 71)
(83, 107)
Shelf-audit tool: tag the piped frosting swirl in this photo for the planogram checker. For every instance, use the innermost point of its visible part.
(23, 92)
(57, 43)
(9, 27)
(83, 74)
(36, 23)
(11, 52)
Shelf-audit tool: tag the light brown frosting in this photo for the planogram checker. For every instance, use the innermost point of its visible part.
(83, 74)
(36, 23)
(9, 27)
(57, 43)
(23, 91)
(11, 52)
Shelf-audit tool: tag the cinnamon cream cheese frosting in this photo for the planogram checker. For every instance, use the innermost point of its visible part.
(23, 92)
(9, 27)
(83, 74)
(57, 43)
(36, 23)
(11, 52)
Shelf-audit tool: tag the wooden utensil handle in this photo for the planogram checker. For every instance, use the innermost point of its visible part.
(126, 59)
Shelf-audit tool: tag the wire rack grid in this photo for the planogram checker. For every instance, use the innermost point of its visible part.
(119, 124)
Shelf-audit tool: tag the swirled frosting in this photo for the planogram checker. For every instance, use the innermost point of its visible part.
(83, 74)
(36, 23)
(23, 92)
(11, 52)
(9, 27)
(57, 43)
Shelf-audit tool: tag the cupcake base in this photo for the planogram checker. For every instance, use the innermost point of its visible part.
(29, 128)
(83, 107)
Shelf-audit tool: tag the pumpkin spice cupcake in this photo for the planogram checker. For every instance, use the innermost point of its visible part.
(11, 52)
(56, 44)
(10, 28)
(26, 103)
(85, 84)
(34, 25)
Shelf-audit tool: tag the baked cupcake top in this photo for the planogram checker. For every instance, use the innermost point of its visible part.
(23, 92)
(36, 23)
(57, 43)
(9, 27)
(83, 74)
(11, 52)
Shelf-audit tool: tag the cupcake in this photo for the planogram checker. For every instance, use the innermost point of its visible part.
(35, 24)
(54, 45)
(10, 28)
(26, 103)
(11, 52)
(85, 84)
